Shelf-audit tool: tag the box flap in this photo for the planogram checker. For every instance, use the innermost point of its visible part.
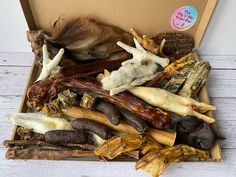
(147, 17)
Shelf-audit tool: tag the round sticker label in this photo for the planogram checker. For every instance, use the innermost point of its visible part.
(184, 18)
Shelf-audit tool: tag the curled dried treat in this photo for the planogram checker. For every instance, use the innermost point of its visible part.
(109, 110)
(89, 125)
(66, 136)
(138, 123)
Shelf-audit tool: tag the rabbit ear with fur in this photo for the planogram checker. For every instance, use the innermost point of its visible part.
(87, 39)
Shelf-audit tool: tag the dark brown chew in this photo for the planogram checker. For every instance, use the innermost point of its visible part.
(66, 136)
(28, 134)
(47, 154)
(88, 39)
(109, 110)
(92, 126)
(81, 70)
(158, 118)
(138, 123)
(177, 44)
(43, 91)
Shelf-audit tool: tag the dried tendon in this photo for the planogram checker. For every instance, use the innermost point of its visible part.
(118, 145)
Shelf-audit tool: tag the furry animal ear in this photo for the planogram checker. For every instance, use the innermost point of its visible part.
(88, 39)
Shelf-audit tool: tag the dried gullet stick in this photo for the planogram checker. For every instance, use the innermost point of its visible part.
(163, 137)
(174, 103)
(11, 143)
(48, 154)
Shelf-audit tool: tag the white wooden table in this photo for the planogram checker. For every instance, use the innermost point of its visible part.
(14, 69)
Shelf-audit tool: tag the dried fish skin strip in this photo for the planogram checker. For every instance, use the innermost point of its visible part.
(118, 145)
(196, 79)
(170, 102)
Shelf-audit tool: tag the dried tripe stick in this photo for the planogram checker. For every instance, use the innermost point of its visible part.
(168, 101)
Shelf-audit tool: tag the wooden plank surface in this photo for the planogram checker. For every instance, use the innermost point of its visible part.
(14, 69)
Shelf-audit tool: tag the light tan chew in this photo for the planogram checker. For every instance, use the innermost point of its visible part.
(170, 102)
(163, 137)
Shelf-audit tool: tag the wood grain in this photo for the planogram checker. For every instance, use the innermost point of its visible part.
(14, 69)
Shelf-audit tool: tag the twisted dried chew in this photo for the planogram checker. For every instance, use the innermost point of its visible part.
(156, 117)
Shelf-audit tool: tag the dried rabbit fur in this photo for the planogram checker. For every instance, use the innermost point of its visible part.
(88, 39)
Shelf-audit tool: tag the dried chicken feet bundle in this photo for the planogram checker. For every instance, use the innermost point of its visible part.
(143, 67)
(168, 101)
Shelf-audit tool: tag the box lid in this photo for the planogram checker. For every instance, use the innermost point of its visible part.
(147, 17)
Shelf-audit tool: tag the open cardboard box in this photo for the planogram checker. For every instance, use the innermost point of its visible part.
(148, 17)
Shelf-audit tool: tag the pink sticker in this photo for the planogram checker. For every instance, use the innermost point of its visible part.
(184, 18)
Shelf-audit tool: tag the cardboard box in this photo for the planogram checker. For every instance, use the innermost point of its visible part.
(148, 17)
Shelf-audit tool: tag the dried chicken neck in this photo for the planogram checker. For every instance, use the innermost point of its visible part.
(172, 69)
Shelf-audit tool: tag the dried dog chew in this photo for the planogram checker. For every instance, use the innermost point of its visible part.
(89, 125)
(156, 117)
(118, 145)
(143, 67)
(138, 123)
(147, 43)
(66, 136)
(28, 134)
(174, 103)
(88, 39)
(49, 65)
(109, 110)
(171, 69)
(177, 45)
(196, 79)
(157, 160)
(163, 137)
(48, 154)
(88, 100)
(39, 123)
